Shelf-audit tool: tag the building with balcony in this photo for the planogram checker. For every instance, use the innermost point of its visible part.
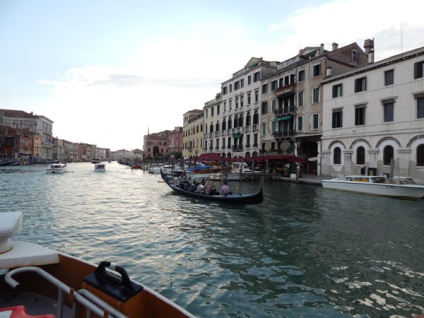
(291, 111)
(232, 118)
(374, 114)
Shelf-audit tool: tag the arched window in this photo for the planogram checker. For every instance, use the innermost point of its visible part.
(337, 156)
(241, 121)
(387, 155)
(360, 156)
(420, 155)
(235, 121)
(354, 56)
(229, 123)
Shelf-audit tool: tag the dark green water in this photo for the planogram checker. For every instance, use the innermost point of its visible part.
(304, 252)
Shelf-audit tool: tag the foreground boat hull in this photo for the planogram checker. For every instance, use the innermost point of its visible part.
(71, 271)
(47, 283)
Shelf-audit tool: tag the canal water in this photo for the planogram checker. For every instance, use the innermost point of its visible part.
(305, 252)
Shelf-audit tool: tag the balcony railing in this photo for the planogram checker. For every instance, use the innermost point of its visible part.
(284, 110)
(255, 127)
(237, 148)
(282, 134)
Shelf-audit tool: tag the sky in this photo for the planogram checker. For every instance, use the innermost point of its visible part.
(107, 72)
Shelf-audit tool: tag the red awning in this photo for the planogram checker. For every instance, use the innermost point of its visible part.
(210, 156)
(288, 158)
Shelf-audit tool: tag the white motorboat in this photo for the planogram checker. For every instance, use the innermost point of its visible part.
(57, 168)
(397, 187)
(238, 171)
(100, 167)
(39, 282)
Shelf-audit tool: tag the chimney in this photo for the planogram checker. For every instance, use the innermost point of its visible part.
(369, 50)
(328, 71)
(322, 48)
(335, 46)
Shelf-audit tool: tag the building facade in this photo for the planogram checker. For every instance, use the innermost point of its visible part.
(232, 118)
(375, 114)
(291, 106)
(193, 133)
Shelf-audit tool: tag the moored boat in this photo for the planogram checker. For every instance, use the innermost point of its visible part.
(232, 197)
(53, 284)
(56, 168)
(398, 187)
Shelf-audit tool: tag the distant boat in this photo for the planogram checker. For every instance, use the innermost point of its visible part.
(397, 187)
(95, 160)
(100, 167)
(56, 168)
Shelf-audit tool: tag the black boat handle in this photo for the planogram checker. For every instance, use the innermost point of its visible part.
(103, 273)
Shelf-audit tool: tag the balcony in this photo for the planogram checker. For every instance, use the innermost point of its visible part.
(283, 134)
(237, 148)
(247, 129)
(284, 110)
(216, 133)
(285, 90)
(222, 132)
(255, 128)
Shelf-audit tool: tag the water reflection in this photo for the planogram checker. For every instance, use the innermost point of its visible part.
(304, 252)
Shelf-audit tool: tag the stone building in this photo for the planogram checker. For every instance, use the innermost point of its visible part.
(291, 105)
(193, 133)
(375, 114)
(232, 118)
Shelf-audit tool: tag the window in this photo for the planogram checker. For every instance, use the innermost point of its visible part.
(256, 77)
(264, 108)
(337, 90)
(263, 129)
(231, 88)
(315, 121)
(360, 84)
(249, 98)
(388, 111)
(315, 95)
(301, 76)
(249, 79)
(337, 156)
(337, 118)
(420, 105)
(274, 85)
(418, 70)
(274, 105)
(273, 127)
(360, 115)
(354, 56)
(211, 111)
(387, 155)
(389, 77)
(360, 156)
(299, 123)
(300, 99)
(256, 96)
(420, 155)
(264, 88)
(317, 70)
(236, 85)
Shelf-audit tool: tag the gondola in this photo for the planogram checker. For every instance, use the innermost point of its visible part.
(232, 197)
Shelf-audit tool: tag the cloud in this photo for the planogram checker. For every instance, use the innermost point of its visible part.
(347, 21)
